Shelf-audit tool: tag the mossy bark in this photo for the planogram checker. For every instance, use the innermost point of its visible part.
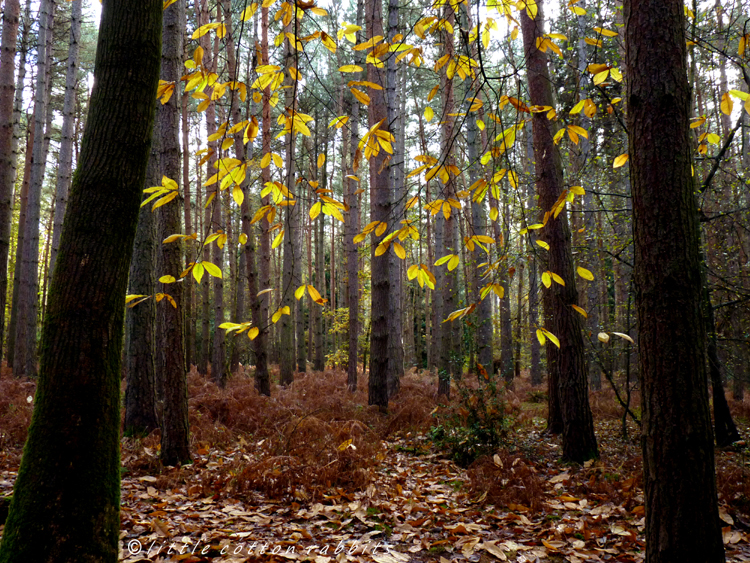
(67, 495)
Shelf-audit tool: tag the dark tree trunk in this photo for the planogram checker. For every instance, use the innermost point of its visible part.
(380, 211)
(567, 367)
(682, 522)
(175, 429)
(141, 415)
(69, 480)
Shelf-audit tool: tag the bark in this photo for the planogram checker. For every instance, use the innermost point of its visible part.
(682, 520)
(189, 293)
(11, 14)
(141, 415)
(26, 327)
(506, 321)
(70, 473)
(292, 255)
(65, 159)
(351, 230)
(175, 433)
(567, 368)
(395, 322)
(380, 210)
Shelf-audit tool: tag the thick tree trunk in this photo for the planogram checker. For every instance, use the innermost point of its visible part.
(11, 14)
(175, 433)
(567, 368)
(682, 522)
(380, 210)
(70, 472)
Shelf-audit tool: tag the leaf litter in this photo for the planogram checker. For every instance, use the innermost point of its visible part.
(313, 474)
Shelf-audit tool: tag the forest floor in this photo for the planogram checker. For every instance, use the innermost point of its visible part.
(314, 474)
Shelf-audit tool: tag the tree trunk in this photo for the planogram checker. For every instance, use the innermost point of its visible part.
(141, 414)
(66, 145)
(175, 429)
(395, 311)
(11, 14)
(292, 255)
(70, 473)
(567, 368)
(380, 210)
(26, 327)
(682, 522)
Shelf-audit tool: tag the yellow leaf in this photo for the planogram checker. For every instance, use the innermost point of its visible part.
(212, 269)
(243, 238)
(253, 333)
(620, 160)
(361, 96)
(299, 292)
(551, 337)
(350, 68)
(266, 160)
(600, 77)
(540, 336)
(543, 244)
(453, 263)
(166, 199)
(321, 159)
(577, 10)
(580, 311)
(278, 239)
(315, 294)
(345, 445)
(198, 272)
(546, 280)
(603, 337)
(557, 279)
(584, 273)
(248, 12)
(381, 249)
(315, 210)
(399, 250)
(726, 104)
(624, 336)
(429, 113)
(238, 195)
(167, 279)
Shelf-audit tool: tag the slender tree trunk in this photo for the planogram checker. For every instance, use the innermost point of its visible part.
(380, 210)
(66, 145)
(11, 14)
(141, 414)
(175, 429)
(568, 375)
(292, 255)
(69, 476)
(395, 322)
(189, 292)
(682, 522)
(26, 327)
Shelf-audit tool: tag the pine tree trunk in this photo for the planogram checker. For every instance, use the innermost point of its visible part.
(70, 473)
(380, 210)
(66, 145)
(395, 322)
(682, 522)
(26, 326)
(141, 414)
(11, 14)
(175, 433)
(567, 368)
(292, 256)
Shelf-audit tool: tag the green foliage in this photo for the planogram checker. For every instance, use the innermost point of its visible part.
(477, 426)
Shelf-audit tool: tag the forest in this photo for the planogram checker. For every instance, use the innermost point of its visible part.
(424, 281)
